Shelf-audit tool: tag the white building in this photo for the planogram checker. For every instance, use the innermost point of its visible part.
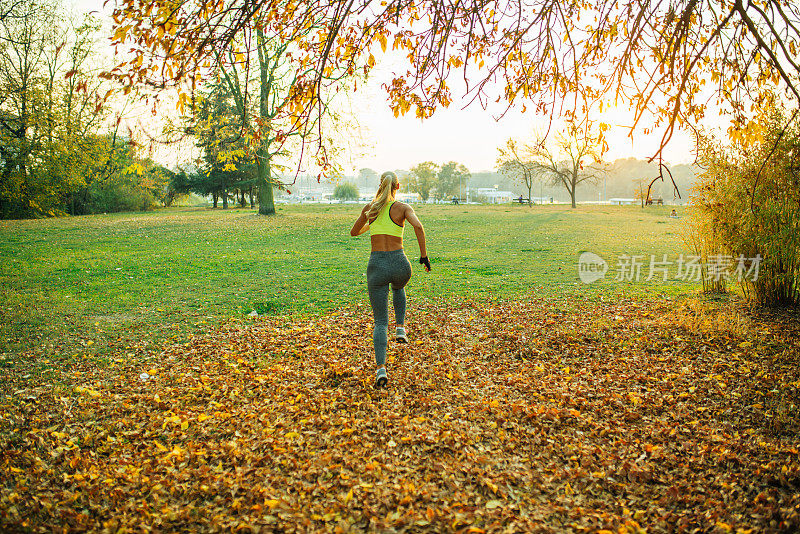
(407, 197)
(492, 195)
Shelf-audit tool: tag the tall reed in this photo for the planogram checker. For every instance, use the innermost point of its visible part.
(748, 199)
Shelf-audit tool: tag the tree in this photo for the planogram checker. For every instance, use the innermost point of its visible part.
(175, 186)
(74, 110)
(655, 55)
(514, 160)
(640, 191)
(217, 127)
(422, 179)
(365, 176)
(25, 37)
(263, 69)
(7, 8)
(581, 162)
(121, 180)
(51, 111)
(346, 191)
(450, 179)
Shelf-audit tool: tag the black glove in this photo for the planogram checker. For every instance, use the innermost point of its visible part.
(424, 261)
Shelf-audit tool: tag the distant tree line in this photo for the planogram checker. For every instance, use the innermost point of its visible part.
(57, 155)
(622, 178)
(430, 180)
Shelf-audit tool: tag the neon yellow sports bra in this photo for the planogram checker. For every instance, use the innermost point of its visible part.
(384, 225)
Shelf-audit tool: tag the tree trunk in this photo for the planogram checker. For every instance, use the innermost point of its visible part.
(5, 183)
(252, 203)
(574, 185)
(266, 199)
(530, 200)
(216, 198)
(224, 199)
(242, 202)
(572, 193)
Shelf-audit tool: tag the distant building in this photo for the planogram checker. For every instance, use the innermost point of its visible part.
(407, 197)
(621, 201)
(491, 195)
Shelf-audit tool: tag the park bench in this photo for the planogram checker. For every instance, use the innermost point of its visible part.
(522, 200)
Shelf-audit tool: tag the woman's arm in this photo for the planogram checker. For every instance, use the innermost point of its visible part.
(414, 221)
(362, 223)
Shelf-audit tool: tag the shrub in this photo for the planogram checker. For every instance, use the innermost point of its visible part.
(346, 191)
(749, 206)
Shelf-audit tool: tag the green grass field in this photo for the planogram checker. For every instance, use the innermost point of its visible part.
(87, 286)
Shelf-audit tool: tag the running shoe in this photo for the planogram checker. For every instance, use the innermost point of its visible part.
(381, 379)
(401, 336)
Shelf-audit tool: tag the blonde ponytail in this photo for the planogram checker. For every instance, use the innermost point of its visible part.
(389, 183)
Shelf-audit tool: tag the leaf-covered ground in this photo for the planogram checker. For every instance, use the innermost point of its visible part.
(518, 417)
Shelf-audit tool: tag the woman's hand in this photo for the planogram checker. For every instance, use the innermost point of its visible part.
(424, 261)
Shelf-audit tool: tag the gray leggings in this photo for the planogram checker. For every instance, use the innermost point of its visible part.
(385, 268)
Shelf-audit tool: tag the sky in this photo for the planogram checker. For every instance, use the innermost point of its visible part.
(468, 135)
(472, 136)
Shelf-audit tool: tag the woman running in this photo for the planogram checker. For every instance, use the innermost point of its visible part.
(385, 219)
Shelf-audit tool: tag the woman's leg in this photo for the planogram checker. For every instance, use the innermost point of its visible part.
(385, 268)
(378, 285)
(401, 274)
(379, 300)
(399, 302)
